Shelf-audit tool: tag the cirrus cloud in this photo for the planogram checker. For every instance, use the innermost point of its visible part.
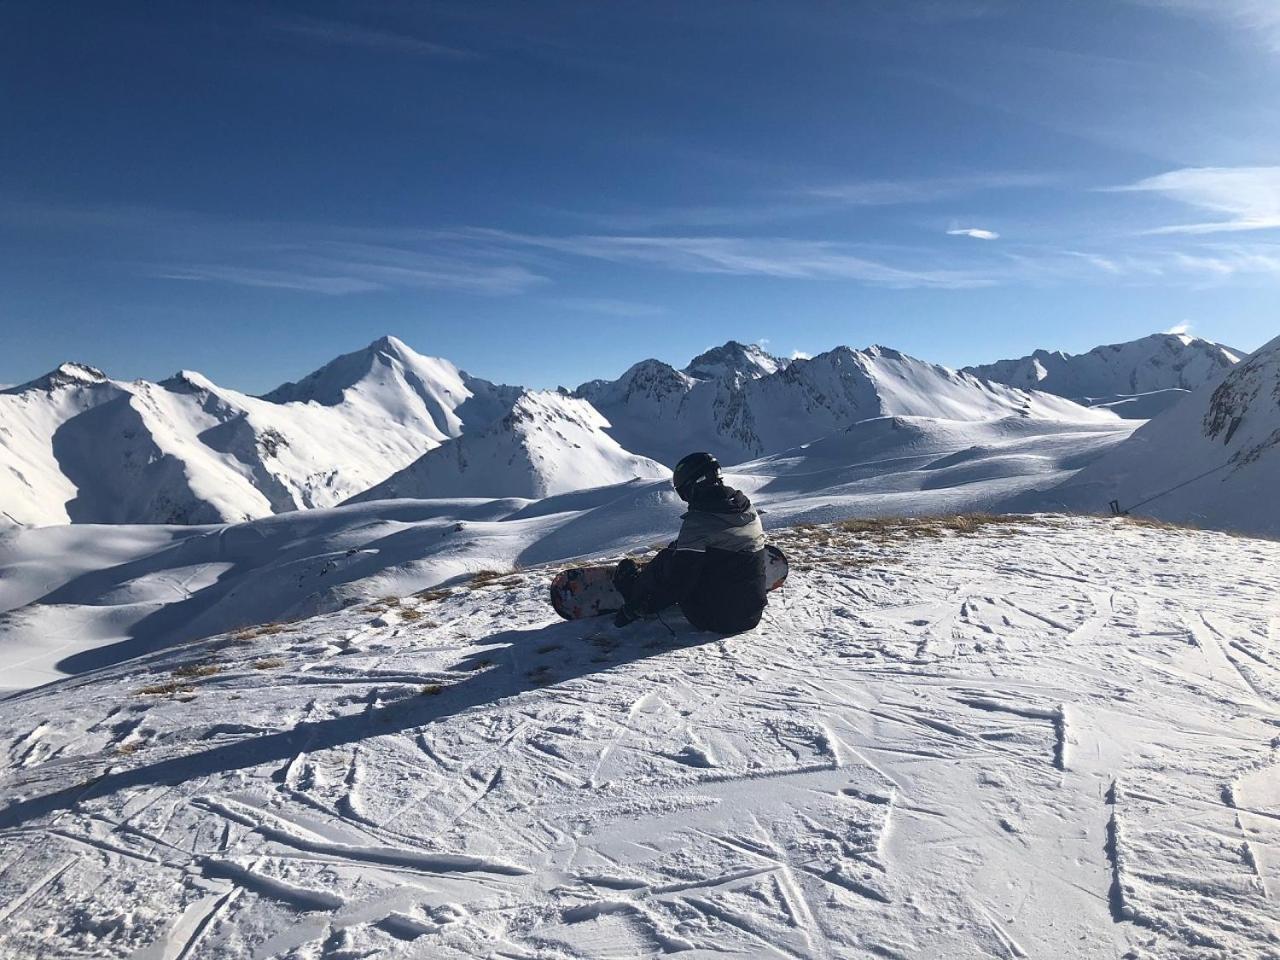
(1247, 197)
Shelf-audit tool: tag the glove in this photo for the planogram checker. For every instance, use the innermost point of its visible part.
(625, 616)
(624, 575)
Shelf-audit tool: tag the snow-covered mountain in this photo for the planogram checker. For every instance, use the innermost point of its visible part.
(740, 411)
(78, 446)
(1214, 460)
(1147, 368)
(548, 443)
(746, 360)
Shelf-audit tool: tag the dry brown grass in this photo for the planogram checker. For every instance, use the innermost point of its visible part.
(169, 688)
(854, 543)
(125, 749)
(270, 663)
(483, 578)
(959, 524)
(263, 630)
(409, 614)
(192, 671)
(432, 595)
(432, 690)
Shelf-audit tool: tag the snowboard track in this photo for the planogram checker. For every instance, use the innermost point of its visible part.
(957, 745)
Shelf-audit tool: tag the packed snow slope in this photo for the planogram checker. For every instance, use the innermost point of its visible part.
(1212, 461)
(75, 598)
(739, 404)
(1040, 738)
(77, 446)
(548, 443)
(1146, 372)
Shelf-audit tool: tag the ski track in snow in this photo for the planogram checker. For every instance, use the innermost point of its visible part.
(1047, 738)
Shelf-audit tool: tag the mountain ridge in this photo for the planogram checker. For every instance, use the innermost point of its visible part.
(79, 446)
(1159, 361)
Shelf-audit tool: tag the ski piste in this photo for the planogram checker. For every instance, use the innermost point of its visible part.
(582, 592)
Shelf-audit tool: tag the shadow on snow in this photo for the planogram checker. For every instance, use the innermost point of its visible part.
(512, 653)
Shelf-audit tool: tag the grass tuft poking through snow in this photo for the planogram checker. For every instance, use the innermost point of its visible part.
(192, 671)
(952, 737)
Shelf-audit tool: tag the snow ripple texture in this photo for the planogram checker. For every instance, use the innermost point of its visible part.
(1001, 738)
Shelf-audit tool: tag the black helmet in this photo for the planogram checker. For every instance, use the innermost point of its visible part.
(694, 469)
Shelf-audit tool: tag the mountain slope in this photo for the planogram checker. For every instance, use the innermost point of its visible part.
(547, 444)
(76, 596)
(664, 413)
(1214, 460)
(936, 744)
(78, 446)
(1160, 362)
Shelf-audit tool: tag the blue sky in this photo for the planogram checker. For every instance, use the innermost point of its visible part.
(547, 192)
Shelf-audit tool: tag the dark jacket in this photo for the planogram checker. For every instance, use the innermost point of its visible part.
(715, 570)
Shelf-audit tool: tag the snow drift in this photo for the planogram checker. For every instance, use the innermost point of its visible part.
(549, 443)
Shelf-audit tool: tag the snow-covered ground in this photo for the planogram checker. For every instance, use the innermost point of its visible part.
(76, 597)
(1041, 738)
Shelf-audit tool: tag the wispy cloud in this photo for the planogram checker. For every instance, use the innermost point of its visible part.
(878, 193)
(1258, 18)
(1180, 329)
(769, 257)
(977, 233)
(815, 200)
(337, 268)
(257, 277)
(608, 307)
(1249, 197)
(341, 33)
(801, 355)
(306, 257)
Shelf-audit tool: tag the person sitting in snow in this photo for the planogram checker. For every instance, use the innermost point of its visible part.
(715, 569)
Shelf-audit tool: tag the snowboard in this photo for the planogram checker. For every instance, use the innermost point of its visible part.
(583, 592)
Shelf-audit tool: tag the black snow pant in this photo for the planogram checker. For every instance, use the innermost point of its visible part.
(716, 590)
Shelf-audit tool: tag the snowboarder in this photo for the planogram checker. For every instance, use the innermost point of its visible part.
(715, 569)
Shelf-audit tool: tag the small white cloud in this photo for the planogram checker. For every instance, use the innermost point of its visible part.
(762, 342)
(1180, 329)
(801, 355)
(977, 233)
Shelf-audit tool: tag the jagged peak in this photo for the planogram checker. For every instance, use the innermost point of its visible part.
(734, 357)
(392, 347)
(327, 384)
(69, 374)
(877, 350)
(189, 380)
